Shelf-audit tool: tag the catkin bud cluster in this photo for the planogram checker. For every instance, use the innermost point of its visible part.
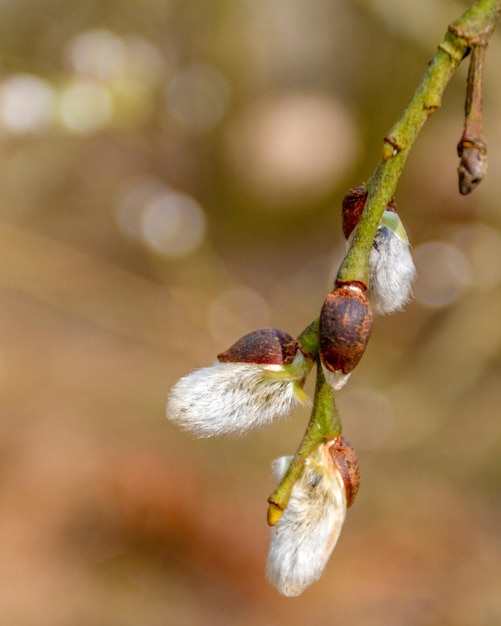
(258, 380)
(391, 268)
(304, 537)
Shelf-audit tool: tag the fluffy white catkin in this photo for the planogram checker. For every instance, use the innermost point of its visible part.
(231, 398)
(391, 271)
(304, 537)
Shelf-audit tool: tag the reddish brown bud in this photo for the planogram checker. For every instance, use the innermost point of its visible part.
(346, 461)
(267, 346)
(353, 205)
(344, 329)
(392, 206)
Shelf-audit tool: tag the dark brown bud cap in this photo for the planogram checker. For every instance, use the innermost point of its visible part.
(346, 461)
(267, 346)
(353, 205)
(344, 329)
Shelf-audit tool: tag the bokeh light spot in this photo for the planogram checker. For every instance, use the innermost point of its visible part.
(96, 53)
(173, 224)
(27, 103)
(131, 201)
(86, 106)
(197, 97)
(293, 144)
(133, 103)
(144, 62)
(105, 56)
(443, 273)
(481, 244)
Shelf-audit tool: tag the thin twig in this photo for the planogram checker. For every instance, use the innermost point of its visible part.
(472, 149)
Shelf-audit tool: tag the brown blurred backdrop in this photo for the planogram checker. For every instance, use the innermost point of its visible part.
(171, 178)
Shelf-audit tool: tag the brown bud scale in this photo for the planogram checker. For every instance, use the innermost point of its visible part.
(346, 461)
(266, 346)
(344, 329)
(353, 206)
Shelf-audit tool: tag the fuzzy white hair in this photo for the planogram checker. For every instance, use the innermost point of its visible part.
(391, 271)
(233, 398)
(305, 535)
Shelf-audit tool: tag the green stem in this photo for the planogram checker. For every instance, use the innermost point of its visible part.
(325, 424)
(308, 340)
(475, 24)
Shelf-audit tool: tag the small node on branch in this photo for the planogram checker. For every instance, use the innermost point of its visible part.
(430, 109)
(390, 148)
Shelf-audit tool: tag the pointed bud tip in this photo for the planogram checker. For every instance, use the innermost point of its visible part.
(274, 514)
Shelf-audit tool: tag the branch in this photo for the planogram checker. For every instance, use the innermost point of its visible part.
(472, 29)
(474, 26)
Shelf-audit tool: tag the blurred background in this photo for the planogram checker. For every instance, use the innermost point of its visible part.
(171, 179)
